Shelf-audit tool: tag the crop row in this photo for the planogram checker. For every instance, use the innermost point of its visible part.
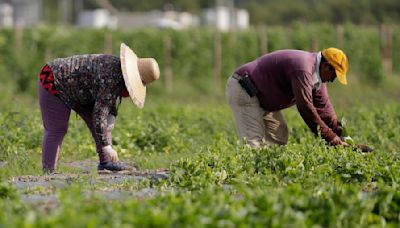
(196, 55)
(216, 182)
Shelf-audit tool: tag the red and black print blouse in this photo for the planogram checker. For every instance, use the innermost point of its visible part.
(89, 80)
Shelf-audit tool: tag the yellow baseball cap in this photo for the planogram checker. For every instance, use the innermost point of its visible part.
(339, 61)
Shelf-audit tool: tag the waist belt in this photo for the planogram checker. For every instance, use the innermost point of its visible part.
(247, 84)
(236, 76)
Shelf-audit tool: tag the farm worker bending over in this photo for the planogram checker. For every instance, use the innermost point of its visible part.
(90, 85)
(258, 90)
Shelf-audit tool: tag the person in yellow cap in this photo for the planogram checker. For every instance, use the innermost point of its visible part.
(258, 90)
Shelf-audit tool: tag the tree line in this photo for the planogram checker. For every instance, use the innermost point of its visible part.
(273, 12)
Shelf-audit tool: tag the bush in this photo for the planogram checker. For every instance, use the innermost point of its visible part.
(192, 50)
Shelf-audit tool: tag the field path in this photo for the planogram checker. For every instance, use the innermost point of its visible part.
(41, 190)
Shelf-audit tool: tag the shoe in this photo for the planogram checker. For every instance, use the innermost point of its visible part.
(48, 171)
(113, 166)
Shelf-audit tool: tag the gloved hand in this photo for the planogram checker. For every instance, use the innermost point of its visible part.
(347, 139)
(338, 141)
(110, 121)
(363, 148)
(110, 153)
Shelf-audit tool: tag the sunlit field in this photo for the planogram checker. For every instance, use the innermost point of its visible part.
(188, 133)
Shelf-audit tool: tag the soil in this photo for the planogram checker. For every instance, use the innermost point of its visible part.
(41, 190)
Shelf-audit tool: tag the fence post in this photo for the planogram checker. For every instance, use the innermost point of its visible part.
(48, 55)
(108, 43)
(263, 40)
(18, 33)
(385, 37)
(339, 36)
(314, 44)
(167, 43)
(217, 58)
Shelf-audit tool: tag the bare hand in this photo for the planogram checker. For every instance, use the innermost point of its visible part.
(338, 141)
(110, 153)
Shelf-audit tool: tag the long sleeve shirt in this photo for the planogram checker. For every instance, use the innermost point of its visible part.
(93, 81)
(285, 78)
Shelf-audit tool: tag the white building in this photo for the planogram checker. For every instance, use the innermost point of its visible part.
(26, 12)
(31, 12)
(226, 18)
(156, 18)
(20, 12)
(99, 18)
(6, 15)
(242, 19)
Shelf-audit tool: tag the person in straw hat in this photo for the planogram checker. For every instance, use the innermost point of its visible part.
(90, 85)
(258, 90)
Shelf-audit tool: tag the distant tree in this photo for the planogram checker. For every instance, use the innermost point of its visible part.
(143, 5)
(333, 11)
(264, 11)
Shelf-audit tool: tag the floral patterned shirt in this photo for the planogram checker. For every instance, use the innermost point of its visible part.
(90, 80)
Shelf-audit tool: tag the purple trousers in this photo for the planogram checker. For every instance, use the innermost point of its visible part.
(55, 117)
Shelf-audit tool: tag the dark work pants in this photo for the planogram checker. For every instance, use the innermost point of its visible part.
(55, 117)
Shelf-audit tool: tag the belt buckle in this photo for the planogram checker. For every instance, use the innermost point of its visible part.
(236, 76)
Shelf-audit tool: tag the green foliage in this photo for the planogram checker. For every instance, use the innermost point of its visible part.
(396, 50)
(7, 191)
(213, 182)
(192, 52)
(330, 11)
(363, 53)
(20, 139)
(261, 11)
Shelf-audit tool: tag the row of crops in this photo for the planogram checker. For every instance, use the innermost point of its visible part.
(213, 181)
(194, 54)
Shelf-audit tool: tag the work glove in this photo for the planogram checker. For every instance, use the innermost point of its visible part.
(362, 147)
(110, 153)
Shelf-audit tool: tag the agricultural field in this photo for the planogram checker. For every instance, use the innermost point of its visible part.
(191, 170)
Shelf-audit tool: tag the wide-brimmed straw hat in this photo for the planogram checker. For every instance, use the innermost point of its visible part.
(137, 73)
